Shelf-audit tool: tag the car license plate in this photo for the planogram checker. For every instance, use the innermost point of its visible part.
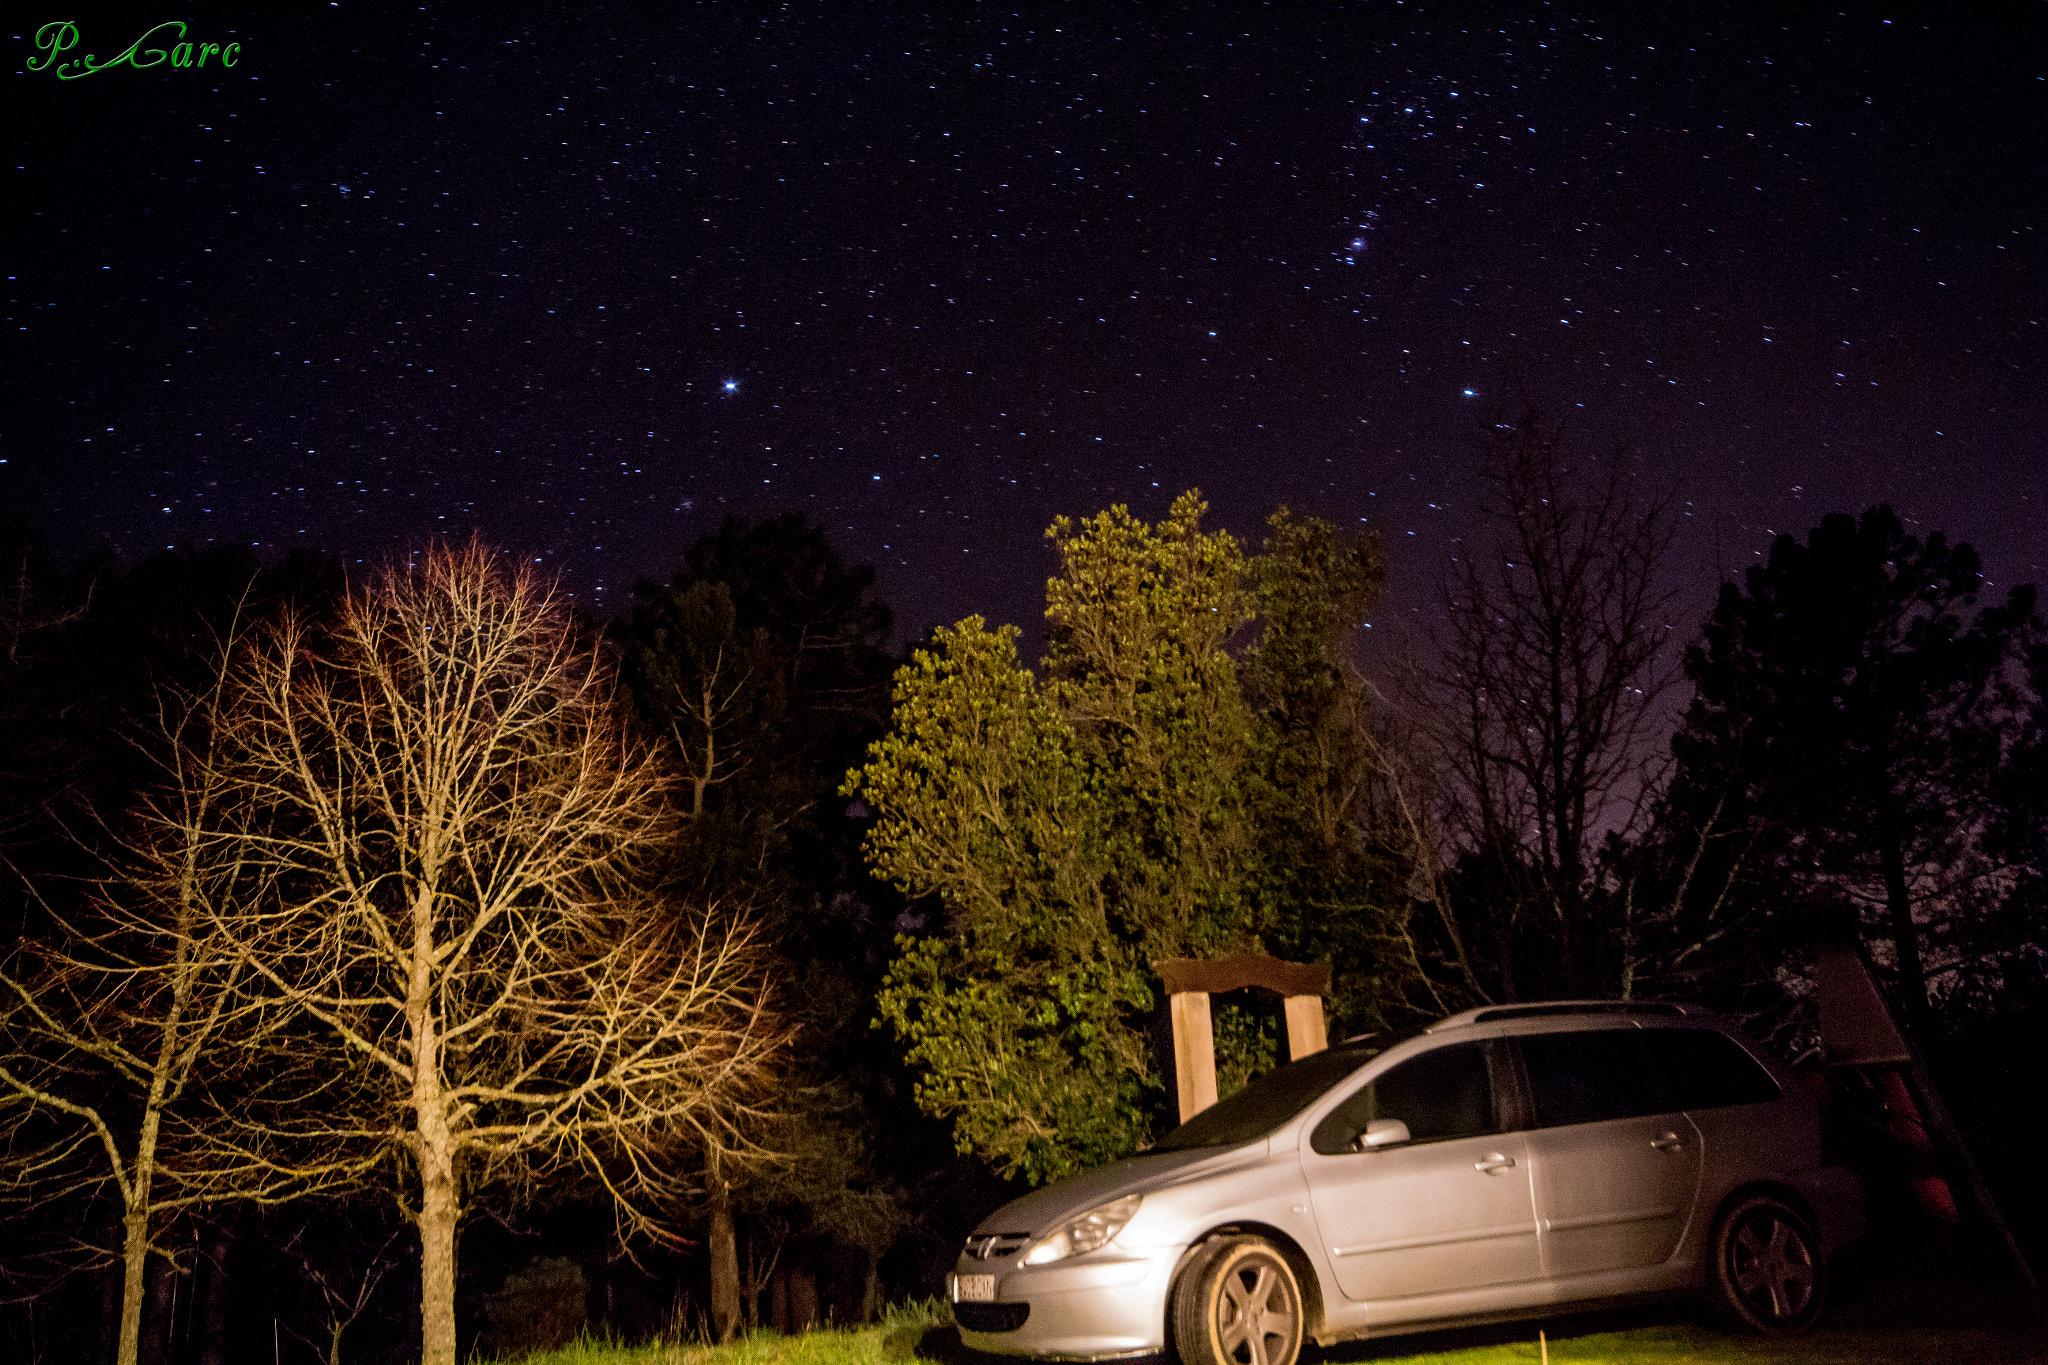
(974, 1289)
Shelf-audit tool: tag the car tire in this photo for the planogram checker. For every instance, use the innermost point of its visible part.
(1238, 1303)
(1767, 1274)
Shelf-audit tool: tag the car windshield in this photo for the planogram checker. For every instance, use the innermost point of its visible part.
(1270, 1100)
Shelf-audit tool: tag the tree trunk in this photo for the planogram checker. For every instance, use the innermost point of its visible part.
(803, 1297)
(1504, 949)
(160, 1316)
(437, 1219)
(1905, 934)
(725, 1263)
(110, 1312)
(213, 1345)
(434, 1145)
(134, 1279)
(871, 1289)
(135, 1247)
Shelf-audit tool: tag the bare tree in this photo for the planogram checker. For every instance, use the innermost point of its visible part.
(96, 1069)
(1550, 686)
(344, 1292)
(121, 1023)
(39, 764)
(1405, 799)
(454, 819)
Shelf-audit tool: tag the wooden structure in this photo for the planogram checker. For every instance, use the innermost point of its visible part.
(1860, 1032)
(1190, 982)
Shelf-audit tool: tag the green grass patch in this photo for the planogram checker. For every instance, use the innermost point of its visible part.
(909, 1332)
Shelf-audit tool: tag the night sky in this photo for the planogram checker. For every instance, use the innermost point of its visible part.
(589, 279)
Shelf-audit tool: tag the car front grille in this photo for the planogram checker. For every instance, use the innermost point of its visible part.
(991, 1317)
(993, 1246)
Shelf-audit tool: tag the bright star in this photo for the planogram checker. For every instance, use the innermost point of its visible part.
(732, 386)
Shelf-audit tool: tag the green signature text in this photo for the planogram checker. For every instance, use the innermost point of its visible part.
(58, 37)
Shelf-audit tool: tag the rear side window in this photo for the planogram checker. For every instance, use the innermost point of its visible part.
(1590, 1077)
(1443, 1094)
(1706, 1070)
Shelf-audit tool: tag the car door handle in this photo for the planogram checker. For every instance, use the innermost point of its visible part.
(1669, 1142)
(1495, 1161)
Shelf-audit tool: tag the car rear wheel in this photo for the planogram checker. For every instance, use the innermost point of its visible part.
(1767, 1273)
(1238, 1304)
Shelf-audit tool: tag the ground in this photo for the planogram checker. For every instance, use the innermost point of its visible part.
(1882, 1314)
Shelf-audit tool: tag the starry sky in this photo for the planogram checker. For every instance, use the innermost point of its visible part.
(587, 279)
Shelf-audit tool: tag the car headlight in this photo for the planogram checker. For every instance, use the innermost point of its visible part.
(1084, 1232)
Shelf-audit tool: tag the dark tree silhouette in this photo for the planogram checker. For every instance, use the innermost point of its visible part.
(1844, 747)
(762, 662)
(1552, 667)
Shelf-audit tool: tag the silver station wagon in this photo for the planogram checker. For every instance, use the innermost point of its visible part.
(1504, 1163)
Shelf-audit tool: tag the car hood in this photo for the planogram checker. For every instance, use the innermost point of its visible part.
(1141, 1174)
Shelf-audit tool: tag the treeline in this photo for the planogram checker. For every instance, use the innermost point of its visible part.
(1566, 793)
(407, 964)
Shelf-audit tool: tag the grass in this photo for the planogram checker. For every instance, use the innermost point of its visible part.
(1895, 1316)
(910, 1332)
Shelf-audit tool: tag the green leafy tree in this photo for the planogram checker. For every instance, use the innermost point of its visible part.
(1158, 794)
(1019, 1019)
(1334, 848)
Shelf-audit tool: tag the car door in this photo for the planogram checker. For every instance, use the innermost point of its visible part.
(1448, 1210)
(1614, 1164)
(1746, 1130)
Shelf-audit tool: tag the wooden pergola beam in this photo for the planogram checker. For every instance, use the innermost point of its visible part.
(1243, 971)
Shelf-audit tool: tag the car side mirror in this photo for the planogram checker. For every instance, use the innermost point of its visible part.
(1382, 1133)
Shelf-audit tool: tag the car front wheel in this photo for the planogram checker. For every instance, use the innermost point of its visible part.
(1767, 1273)
(1238, 1304)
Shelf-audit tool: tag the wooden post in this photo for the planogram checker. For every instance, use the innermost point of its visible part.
(1304, 1026)
(1194, 1052)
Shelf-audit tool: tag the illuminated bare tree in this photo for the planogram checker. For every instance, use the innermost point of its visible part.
(122, 1023)
(455, 818)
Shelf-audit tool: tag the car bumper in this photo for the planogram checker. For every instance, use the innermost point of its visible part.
(1095, 1307)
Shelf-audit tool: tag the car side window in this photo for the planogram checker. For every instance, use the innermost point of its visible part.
(1603, 1074)
(1590, 1077)
(1706, 1070)
(1447, 1093)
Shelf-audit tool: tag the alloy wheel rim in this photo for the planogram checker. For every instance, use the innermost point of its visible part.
(1772, 1267)
(1255, 1313)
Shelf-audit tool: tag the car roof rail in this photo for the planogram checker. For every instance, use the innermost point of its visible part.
(1553, 1008)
